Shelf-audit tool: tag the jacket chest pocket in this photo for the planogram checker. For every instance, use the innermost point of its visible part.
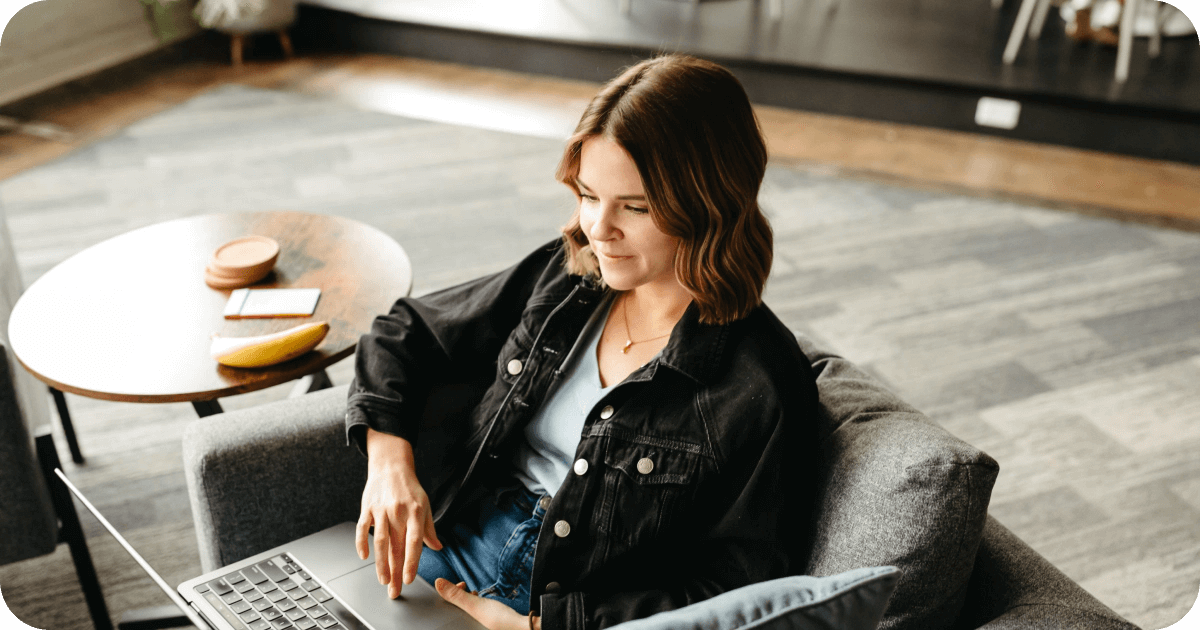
(514, 354)
(645, 488)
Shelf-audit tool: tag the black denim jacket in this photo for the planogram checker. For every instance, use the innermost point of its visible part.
(699, 475)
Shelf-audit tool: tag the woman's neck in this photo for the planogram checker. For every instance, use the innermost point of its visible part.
(654, 309)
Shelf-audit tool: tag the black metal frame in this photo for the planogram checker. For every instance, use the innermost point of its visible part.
(64, 417)
(70, 531)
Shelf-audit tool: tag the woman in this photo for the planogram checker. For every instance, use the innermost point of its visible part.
(615, 426)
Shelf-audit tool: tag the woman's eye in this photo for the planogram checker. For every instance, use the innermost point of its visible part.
(588, 198)
(637, 210)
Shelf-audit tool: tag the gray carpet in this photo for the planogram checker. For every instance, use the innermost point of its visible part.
(1065, 346)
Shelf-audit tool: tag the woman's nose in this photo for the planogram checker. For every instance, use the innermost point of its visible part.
(602, 228)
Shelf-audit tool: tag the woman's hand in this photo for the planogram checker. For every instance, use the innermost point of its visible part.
(396, 505)
(489, 612)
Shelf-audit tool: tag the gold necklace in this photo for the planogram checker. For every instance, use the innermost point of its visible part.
(628, 337)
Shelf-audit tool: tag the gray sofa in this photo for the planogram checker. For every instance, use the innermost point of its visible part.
(896, 490)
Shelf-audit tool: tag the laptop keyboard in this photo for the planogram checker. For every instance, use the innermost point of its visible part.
(276, 594)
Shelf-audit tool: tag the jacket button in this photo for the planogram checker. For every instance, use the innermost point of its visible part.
(544, 503)
(606, 412)
(645, 465)
(514, 367)
(553, 587)
(562, 529)
(581, 466)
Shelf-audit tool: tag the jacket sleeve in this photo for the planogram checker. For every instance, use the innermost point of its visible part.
(747, 540)
(454, 333)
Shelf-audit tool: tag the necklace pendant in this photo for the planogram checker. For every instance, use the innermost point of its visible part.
(628, 343)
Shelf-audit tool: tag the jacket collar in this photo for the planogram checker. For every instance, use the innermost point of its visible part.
(696, 350)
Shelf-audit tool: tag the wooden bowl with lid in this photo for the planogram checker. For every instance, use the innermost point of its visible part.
(241, 262)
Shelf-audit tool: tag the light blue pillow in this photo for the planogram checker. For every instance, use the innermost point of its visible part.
(853, 600)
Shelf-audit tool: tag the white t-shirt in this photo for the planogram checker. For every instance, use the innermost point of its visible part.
(545, 457)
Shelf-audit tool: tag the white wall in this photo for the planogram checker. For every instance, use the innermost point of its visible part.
(54, 41)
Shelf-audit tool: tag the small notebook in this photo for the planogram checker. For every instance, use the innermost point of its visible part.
(244, 303)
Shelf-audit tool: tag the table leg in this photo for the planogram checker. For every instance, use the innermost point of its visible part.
(64, 416)
(311, 383)
(205, 408)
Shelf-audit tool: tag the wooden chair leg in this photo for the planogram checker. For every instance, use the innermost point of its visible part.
(1125, 43)
(64, 418)
(1039, 19)
(1156, 38)
(1019, 32)
(236, 43)
(71, 532)
(286, 42)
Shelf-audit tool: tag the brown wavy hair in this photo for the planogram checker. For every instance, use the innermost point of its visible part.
(692, 133)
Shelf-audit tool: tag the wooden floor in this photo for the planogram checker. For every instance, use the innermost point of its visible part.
(1083, 181)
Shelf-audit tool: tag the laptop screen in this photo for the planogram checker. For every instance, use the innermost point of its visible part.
(192, 615)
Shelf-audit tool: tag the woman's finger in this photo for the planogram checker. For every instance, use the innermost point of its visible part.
(383, 532)
(361, 534)
(431, 538)
(412, 550)
(457, 594)
(396, 556)
(489, 612)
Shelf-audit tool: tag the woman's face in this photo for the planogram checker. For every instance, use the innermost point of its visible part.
(613, 214)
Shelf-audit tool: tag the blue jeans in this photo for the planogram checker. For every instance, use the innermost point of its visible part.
(491, 547)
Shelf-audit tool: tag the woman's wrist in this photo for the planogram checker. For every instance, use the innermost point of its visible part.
(388, 450)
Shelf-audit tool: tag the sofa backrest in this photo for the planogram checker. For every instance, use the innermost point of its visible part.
(30, 391)
(28, 526)
(27, 522)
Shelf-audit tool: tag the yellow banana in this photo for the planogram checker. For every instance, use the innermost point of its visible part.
(267, 349)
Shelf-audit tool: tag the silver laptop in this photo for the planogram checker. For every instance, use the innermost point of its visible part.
(315, 583)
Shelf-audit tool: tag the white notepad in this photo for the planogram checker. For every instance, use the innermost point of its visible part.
(271, 303)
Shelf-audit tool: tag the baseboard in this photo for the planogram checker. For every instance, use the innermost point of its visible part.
(100, 51)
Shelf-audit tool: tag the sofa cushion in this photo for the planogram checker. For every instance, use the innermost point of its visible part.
(896, 489)
(853, 600)
(1014, 587)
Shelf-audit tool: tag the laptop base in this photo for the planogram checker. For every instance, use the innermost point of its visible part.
(332, 560)
(154, 618)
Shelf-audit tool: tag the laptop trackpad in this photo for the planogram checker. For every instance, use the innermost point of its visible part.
(419, 607)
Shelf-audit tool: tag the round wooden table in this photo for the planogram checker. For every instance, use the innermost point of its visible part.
(130, 319)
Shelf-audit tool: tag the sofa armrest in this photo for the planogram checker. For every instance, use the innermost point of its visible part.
(1013, 586)
(264, 476)
(894, 489)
